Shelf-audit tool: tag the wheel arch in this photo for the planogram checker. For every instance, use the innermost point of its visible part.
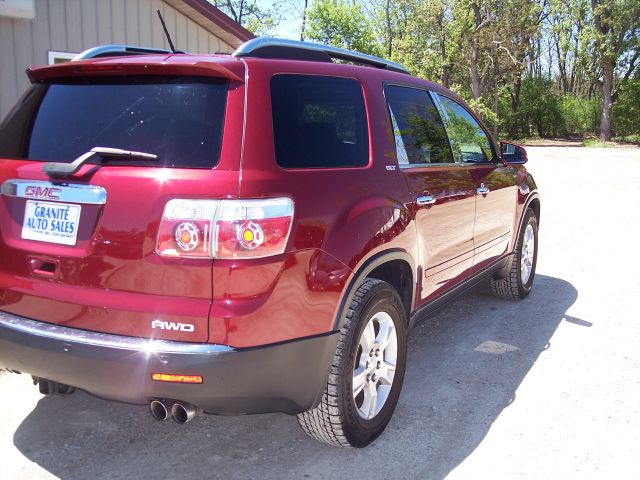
(395, 267)
(532, 202)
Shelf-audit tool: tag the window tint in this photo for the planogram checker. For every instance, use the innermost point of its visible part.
(318, 122)
(473, 141)
(420, 135)
(179, 119)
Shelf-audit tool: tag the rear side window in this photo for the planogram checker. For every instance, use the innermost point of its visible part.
(179, 119)
(318, 122)
(420, 135)
(472, 140)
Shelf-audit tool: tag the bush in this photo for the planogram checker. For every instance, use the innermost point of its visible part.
(625, 116)
(544, 113)
(580, 116)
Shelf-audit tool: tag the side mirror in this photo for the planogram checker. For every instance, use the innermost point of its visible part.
(512, 153)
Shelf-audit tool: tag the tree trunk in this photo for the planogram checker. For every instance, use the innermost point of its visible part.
(446, 67)
(476, 84)
(304, 20)
(389, 39)
(607, 64)
(495, 112)
(607, 100)
(516, 87)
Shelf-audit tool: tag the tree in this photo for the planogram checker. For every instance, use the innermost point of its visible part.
(555, 67)
(571, 40)
(341, 23)
(250, 15)
(304, 19)
(617, 39)
(427, 38)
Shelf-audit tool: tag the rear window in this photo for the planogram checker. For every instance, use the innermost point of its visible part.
(318, 122)
(179, 119)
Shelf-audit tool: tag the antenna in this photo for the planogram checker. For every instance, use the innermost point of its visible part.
(166, 32)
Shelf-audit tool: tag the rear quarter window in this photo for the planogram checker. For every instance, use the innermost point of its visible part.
(179, 119)
(318, 122)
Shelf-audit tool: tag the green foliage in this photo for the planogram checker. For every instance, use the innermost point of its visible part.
(580, 116)
(342, 23)
(527, 67)
(626, 111)
(545, 112)
(256, 17)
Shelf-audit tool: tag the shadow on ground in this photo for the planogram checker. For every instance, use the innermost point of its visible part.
(465, 366)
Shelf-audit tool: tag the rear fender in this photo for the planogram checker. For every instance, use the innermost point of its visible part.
(364, 271)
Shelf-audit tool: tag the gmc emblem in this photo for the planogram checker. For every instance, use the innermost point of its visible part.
(42, 192)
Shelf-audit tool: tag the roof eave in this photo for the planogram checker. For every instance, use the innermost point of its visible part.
(213, 20)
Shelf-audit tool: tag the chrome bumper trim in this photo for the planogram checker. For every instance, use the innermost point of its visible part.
(74, 335)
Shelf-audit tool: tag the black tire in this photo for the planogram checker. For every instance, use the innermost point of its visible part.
(336, 420)
(511, 286)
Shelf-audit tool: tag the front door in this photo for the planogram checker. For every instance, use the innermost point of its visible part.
(495, 184)
(442, 190)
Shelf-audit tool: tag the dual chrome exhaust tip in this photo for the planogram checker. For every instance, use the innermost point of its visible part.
(180, 412)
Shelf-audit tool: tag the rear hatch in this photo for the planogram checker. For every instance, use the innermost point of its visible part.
(80, 249)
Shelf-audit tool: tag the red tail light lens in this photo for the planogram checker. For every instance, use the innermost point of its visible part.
(225, 229)
(252, 228)
(185, 229)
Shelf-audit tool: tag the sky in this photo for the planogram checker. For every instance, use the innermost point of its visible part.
(290, 25)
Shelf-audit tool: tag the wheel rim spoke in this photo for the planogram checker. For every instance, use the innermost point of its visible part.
(371, 400)
(386, 333)
(359, 381)
(387, 372)
(368, 338)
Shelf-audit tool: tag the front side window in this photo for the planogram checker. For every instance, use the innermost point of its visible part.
(318, 122)
(474, 144)
(179, 119)
(420, 136)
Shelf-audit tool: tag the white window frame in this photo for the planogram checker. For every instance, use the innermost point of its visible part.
(52, 56)
(18, 9)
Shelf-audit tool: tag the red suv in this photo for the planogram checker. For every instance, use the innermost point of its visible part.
(247, 233)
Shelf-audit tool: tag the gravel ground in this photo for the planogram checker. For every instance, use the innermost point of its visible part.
(547, 388)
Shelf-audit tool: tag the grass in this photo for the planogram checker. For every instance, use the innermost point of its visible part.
(628, 139)
(615, 142)
(596, 143)
(586, 141)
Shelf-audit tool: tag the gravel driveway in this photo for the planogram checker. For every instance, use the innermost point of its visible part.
(548, 388)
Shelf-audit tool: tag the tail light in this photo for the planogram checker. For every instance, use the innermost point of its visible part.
(225, 229)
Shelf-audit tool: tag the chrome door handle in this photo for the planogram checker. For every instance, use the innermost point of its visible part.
(482, 190)
(426, 200)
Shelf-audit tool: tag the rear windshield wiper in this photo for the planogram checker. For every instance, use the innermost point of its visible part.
(59, 169)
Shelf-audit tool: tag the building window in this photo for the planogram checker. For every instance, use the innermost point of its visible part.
(60, 57)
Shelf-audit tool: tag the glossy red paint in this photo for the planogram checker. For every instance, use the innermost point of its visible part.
(220, 66)
(113, 281)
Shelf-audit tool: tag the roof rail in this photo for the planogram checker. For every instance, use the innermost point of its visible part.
(296, 50)
(119, 51)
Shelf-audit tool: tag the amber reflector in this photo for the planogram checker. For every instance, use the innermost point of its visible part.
(169, 377)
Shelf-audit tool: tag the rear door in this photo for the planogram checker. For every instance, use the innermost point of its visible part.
(442, 190)
(80, 250)
(495, 184)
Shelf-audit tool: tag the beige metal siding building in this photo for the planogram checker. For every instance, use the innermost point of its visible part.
(40, 32)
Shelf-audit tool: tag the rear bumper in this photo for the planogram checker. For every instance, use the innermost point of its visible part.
(287, 377)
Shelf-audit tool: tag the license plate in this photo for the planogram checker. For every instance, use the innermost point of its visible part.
(51, 222)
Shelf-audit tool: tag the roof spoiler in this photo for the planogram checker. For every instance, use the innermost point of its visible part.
(109, 60)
